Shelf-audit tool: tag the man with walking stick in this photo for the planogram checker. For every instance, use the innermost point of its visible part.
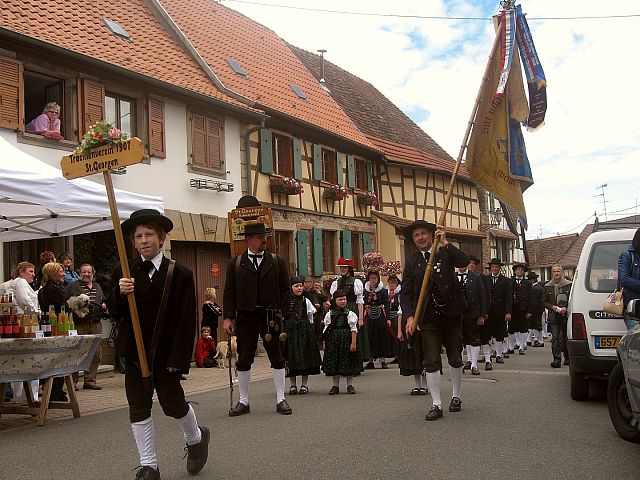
(441, 321)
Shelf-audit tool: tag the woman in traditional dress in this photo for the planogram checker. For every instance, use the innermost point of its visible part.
(353, 288)
(376, 302)
(303, 355)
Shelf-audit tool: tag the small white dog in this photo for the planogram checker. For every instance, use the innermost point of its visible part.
(80, 304)
(222, 352)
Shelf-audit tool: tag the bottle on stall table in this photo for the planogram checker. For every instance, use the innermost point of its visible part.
(45, 326)
(35, 323)
(25, 328)
(2, 321)
(62, 322)
(53, 321)
(15, 323)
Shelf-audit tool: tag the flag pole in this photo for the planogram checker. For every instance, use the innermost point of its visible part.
(412, 325)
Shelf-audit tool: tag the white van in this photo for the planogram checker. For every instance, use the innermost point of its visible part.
(592, 334)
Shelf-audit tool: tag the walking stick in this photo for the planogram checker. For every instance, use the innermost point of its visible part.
(230, 355)
(412, 325)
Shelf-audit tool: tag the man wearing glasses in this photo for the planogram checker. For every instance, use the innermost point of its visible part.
(47, 123)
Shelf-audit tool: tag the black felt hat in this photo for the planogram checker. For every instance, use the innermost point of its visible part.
(474, 259)
(145, 217)
(495, 261)
(408, 230)
(248, 201)
(531, 275)
(519, 265)
(255, 229)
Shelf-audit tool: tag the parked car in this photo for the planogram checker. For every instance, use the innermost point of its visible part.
(593, 334)
(623, 390)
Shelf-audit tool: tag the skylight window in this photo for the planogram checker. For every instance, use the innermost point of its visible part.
(117, 29)
(297, 91)
(235, 66)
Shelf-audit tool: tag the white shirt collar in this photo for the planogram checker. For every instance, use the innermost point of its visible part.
(157, 260)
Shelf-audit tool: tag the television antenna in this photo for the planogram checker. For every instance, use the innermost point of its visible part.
(604, 201)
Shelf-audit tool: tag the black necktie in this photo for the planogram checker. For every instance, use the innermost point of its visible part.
(462, 278)
(518, 280)
(148, 267)
(255, 258)
(495, 279)
(426, 256)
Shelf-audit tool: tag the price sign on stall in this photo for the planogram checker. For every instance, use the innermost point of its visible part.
(103, 159)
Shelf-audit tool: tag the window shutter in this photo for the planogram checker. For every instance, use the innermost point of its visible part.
(366, 243)
(317, 251)
(317, 162)
(301, 252)
(214, 145)
(198, 140)
(156, 128)
(92, 104)
(266, 151)
(339, 172)
(351, 171)
(345, 244)
(11, 93)
(297, 159)
(369, 177)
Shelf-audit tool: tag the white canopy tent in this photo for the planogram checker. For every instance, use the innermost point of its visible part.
(36, 201)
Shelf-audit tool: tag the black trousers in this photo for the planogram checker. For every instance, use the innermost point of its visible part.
(435, 335)
(250, 325)
(494, 326)
(167, 386)
(518, 322)
(471, 331)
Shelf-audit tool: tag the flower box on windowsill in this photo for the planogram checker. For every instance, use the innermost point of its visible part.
(367, 199)
(335, 193)
(285, 185)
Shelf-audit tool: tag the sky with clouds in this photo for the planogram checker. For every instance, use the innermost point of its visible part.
(432, 68)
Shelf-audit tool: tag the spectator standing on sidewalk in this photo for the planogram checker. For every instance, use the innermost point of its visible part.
(629, 275)
(557, 315)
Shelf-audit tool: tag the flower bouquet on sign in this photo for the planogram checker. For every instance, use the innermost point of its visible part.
(368, 199)
(99, 134)
(285, 185)
(372, 261)
(335, 192)
(392, 267)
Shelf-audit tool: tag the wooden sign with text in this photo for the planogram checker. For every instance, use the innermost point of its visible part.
(103, 159)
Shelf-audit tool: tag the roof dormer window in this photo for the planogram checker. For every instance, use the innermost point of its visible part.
(115, 28)
(297, 91)
(237, 68)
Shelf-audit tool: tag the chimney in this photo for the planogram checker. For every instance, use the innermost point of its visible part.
(322, 52)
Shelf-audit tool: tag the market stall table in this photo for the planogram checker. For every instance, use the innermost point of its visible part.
(25, 359)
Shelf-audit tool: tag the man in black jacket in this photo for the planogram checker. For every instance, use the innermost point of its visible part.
(520, 309)
(168, 339)
(256, 289)
(537, 310)
(441, 320)
(499, 308)
(473, 317)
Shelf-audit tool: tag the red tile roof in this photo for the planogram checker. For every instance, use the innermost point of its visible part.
(381, 120)
(76, 25)
(544, 252)
(219, 33)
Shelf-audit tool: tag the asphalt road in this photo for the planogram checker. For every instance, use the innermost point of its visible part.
(517, 422)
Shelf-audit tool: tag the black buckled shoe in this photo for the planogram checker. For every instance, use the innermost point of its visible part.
(434, 414)
(334, 390)
(475, 371)
(350, 389)
(148, 473)
(197, 454)
(466, 366)
(283, 408)
(555, 364)
(239, 409)
(488, 366)
(455, 405)
(499, 359)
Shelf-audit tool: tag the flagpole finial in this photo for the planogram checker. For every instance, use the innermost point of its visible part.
(507, 4)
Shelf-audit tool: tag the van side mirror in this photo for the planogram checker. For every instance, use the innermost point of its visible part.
(562, 300)
(633, 309)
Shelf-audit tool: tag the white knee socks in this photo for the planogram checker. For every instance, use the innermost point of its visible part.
(433, 382)
(189, 426)
(145, 437)
(243, 383)
(499, 348)
(456, 380)
(278, 379)
(475, 353)
(417, 378)
(486, 348)
(511, 341)
(305, 380)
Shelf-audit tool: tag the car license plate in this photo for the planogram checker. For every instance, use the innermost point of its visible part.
(607, 341)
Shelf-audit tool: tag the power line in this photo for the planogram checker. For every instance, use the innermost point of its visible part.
(421, 17)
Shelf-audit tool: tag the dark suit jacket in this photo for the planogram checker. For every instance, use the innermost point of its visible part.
(176, 332)
(499, 295)
(524, 295)
(537, 293)
(476, 296)
(443, 275)
(241, 285)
